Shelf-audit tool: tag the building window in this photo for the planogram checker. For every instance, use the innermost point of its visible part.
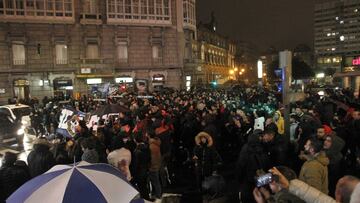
(202, 52)
(189, 12)
(18, 50)
(61, 54)
(157, 53)
(90, 6)
(37, 8)
(122, 50)
(92, 51)
(139, 11)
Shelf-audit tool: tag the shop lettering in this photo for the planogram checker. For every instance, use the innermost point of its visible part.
(356, 62)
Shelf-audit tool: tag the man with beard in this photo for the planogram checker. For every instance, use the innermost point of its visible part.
(314, 171)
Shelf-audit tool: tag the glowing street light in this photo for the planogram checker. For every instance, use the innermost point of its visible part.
(243, 70)
(231, 72)
(235, 69)
(260, 69)
(320, 75)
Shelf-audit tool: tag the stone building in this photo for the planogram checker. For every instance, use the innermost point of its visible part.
(50, 47)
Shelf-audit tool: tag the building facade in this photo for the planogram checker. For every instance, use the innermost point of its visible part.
(73, 46)
(209, 57)
(246, 58)
(337, 39)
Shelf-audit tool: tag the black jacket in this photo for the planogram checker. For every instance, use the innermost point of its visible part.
(141, 160)
(40, 160)
(11, 178)
(277, 151)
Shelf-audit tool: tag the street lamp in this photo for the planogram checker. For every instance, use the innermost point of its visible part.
(235, 69)
(231, 72)
(243, 70)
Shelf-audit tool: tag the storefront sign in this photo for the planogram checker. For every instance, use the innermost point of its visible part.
(356, 61)
(124, 80)
(349, 69)
(2, 91)
(85, 70)
(62, 83)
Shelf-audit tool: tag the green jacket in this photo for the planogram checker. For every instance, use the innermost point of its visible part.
(315, 172)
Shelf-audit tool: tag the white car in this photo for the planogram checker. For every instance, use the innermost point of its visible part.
(15, 123)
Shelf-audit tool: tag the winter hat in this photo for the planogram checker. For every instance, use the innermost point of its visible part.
(90, 156)
(327, 129)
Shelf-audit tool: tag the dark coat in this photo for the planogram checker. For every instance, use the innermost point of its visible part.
(208, 158)
(11, 178)
(40, 160)
(141, 160)
(277, 150)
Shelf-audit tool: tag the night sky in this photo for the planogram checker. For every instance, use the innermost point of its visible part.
(279, 23)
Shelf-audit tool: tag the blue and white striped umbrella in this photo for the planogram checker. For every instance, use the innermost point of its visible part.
(82, 183)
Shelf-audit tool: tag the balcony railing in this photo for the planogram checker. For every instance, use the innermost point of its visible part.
(19, 61)
(61, 61)
(92, 61)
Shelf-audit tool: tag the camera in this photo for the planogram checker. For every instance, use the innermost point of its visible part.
(265, 179)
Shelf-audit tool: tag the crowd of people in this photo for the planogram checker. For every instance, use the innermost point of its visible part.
(203, 135)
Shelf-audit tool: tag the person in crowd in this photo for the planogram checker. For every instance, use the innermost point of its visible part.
(13, 173)
(154, 170)
(347, 189)
(252, 158)
(314, 171)
(40, 158)
(205, 155)
(121, 158)
(281, 194)
(141, 161)
(279, 121)
(334, 166)
(89, 155)
(276, 146)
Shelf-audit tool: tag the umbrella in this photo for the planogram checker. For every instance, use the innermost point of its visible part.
(81, 182)
(109, 109)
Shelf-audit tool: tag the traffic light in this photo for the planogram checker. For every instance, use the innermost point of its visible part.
(214, 84)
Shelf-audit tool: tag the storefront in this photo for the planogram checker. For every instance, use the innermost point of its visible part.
(351, 73)
(63, 88)
(158, 80)
(22, 89)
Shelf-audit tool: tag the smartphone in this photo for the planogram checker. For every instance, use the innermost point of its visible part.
(264, 180)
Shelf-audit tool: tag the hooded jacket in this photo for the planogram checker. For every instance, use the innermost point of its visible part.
(208, 158)
(315, 172)
(280, 123)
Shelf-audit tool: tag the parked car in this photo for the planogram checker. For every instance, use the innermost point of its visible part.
(15, 121)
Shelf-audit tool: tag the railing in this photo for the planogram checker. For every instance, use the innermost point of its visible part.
(19, 61)
(92, 61)
(61, 61)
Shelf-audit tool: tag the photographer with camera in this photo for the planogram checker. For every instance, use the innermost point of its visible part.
(278, 194)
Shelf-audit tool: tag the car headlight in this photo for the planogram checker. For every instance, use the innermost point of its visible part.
(21, 131)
